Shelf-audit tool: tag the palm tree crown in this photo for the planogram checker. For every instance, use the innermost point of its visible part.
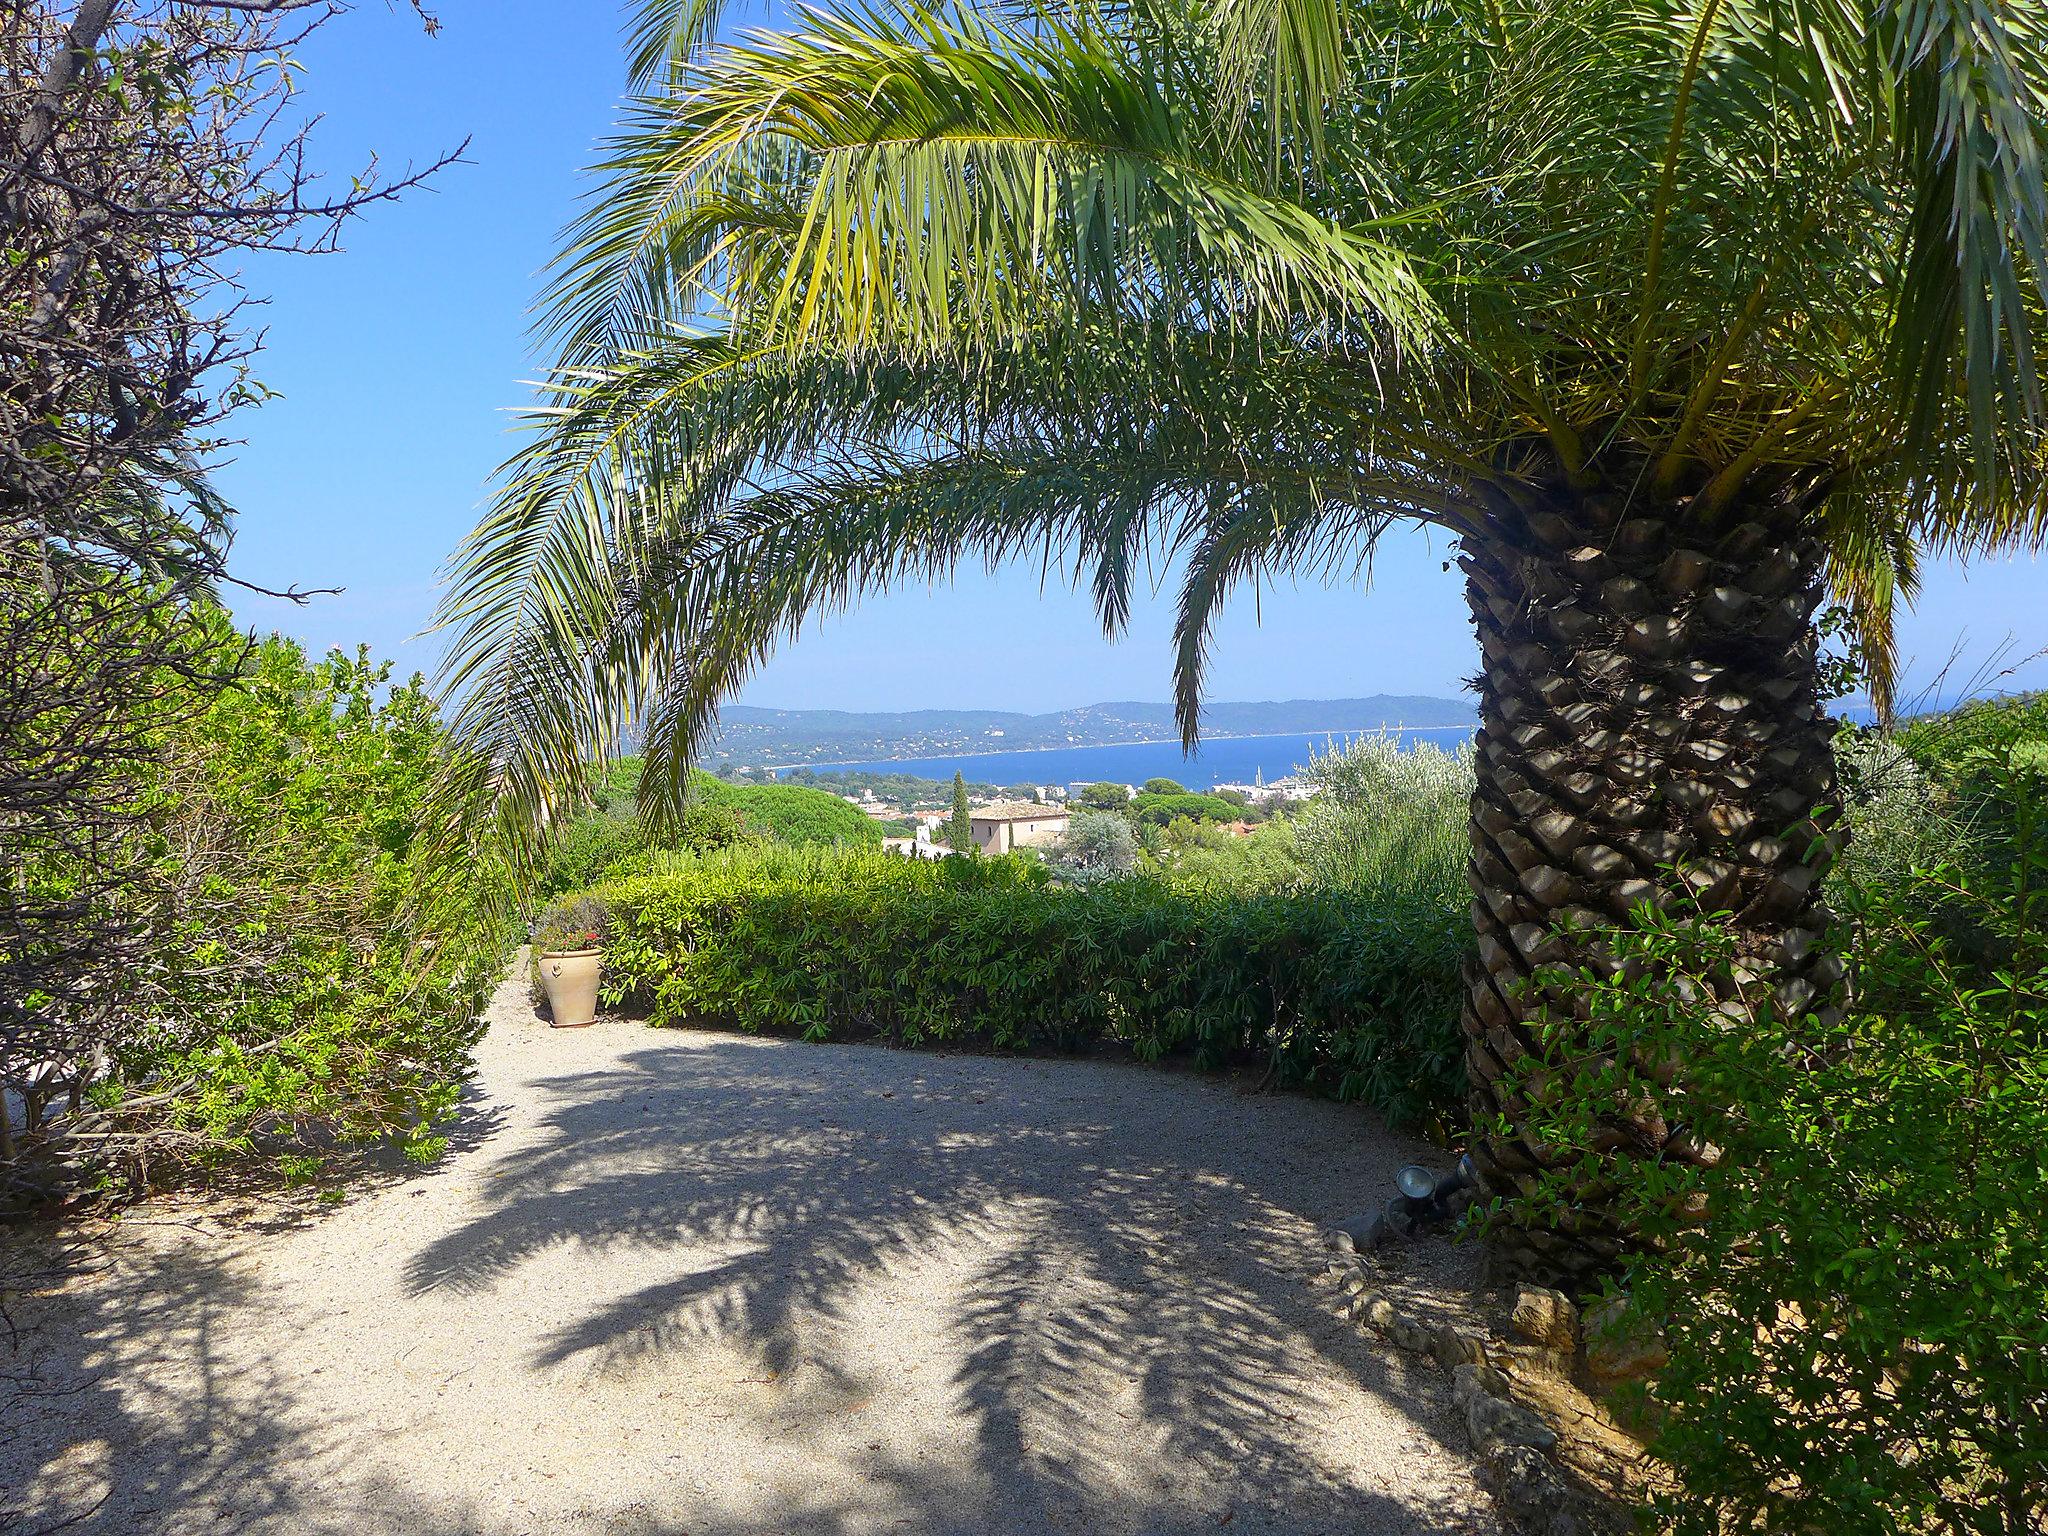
(1244, 282)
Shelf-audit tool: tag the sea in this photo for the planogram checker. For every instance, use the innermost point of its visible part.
(1219, 760)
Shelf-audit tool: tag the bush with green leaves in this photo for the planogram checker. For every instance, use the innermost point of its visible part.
(1328, 992)
(586, 849)
(1203, 853)
(322, 968)
(1853, 1286)
(608, 841)
(1900, 816)
(1388, 822)
(1097, 845)
(1982, 731)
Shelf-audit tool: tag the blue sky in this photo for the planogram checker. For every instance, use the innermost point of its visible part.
(397, 359)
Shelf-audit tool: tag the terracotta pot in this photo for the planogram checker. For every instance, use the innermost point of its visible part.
(570, 977)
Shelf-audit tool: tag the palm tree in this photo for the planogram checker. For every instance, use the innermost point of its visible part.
(1678, 315)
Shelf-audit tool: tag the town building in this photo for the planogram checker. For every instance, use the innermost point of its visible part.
(1016, 824)
(1259, 791)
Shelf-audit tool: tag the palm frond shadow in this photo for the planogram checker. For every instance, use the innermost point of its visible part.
(91, 1433)
(1124, 1289)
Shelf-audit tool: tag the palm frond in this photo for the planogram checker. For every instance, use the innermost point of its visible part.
(1114, 284)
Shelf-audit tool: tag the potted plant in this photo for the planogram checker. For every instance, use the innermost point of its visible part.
(568, 949)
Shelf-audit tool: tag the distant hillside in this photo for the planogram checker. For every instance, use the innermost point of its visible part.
(752, 735)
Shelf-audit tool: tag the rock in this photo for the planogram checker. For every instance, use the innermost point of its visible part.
(1532, 1496)
(1454, 1347)
(1621, 1346)
(1531, 1360)
(1404, 1333)
(1494, 1422)
(1361, 1234)
(1469, 1381)
(1544, 1317)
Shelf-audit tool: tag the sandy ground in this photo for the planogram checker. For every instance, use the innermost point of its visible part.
(687, 1282)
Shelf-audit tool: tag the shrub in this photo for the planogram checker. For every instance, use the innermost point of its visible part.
(1985, 730)
(303, 1000)
(1332, 993)
(1388, 823)
(585, 849)
(1197, 853)
(1097, 845)
(1855, 1294)
(608, 840)
(1900, 817)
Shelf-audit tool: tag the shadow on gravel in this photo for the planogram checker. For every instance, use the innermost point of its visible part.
(101, 1433)
(124, 1406)
(1129, 1305)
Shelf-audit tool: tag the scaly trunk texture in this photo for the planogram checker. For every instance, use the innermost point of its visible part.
(1650, 729)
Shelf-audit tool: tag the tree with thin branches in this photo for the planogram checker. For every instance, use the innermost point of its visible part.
(1677, 316)
(147, 147)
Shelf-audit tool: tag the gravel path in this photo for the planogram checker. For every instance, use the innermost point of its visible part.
(688, 1282)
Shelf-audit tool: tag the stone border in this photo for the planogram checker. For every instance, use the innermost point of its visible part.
(1550, 1450)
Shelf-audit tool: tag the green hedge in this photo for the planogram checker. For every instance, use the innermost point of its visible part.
(1339, 997)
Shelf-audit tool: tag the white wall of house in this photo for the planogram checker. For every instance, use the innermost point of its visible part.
(993, 835)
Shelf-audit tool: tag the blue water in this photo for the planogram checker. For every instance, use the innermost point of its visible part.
(1226, 760)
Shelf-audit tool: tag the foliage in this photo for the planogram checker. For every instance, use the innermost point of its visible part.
(1333, 994)
(1097, 845)
(145, 151)
(318, 972)
(581, 851)
(958, 831)
(1900, 816)
(1953, 743)
(1105, 796)
(1250, 283)
(610, 839)
(1157, 810)
(1854, 1291)
(95, 670)
(1388, 821)
(787, 813)
(1935, 793)
(575, 922)
(1203, 853)
(1162, 787)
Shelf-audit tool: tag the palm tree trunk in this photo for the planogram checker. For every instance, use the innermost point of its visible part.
(1650, 730)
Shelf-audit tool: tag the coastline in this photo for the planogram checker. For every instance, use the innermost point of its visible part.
(1327, 732)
